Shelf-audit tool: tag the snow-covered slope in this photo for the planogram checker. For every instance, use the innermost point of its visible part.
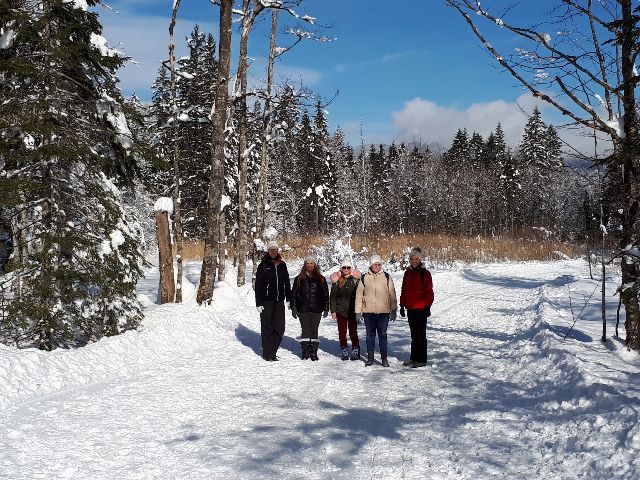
(188, 395)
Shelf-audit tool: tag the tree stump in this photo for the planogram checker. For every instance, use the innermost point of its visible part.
(165, 253)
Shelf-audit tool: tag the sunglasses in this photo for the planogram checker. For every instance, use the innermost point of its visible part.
(346, 268)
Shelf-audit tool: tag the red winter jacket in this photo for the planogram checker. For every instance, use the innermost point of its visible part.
(417, 288)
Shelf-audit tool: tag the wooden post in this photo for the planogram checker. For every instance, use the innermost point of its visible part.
(165, 253)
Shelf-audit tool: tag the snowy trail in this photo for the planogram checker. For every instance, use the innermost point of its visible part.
(190, 397)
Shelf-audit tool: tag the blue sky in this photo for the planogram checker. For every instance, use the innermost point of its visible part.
(409, 69)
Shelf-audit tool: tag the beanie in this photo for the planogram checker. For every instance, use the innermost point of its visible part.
(272, 244)
(346, 262)
(311, 258)
(375, 259)
(416, 252)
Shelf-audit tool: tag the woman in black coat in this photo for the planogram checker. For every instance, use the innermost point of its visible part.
(309, 299)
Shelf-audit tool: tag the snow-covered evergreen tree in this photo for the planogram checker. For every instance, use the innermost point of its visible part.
(63, 134)
(324, 171)
(197, 78)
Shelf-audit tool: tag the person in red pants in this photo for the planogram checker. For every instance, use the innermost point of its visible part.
(342, 305)
(417, 297)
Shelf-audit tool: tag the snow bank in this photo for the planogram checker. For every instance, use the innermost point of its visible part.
(167, 331)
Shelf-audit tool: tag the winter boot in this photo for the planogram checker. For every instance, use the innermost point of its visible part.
(313, 350)
(355, 353)
(345, 354)
(304, 346)
(385, 362)
(369, 361)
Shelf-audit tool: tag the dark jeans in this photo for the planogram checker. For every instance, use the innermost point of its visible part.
(352, 325)
(376, 323)
(418, 326)
(271, 328)
(309, 322)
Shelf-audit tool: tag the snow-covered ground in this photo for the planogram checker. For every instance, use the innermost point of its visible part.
(188, 395)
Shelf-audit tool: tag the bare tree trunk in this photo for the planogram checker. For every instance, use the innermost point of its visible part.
(264, 154)
(243, 153)
(214, 210)
(629, 290)
(165, 254)
(604, 283)
(222, 248)
(177, 217)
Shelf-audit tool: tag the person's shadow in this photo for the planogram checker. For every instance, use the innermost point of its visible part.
(252, 340)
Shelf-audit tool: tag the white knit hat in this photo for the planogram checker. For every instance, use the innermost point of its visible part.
(272, 244)
(311, 258)
(346, 262)
(375, 259)
(416, 252)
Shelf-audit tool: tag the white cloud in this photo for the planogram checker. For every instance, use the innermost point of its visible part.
(431, 123)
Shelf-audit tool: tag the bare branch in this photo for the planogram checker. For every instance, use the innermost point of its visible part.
(536, 93)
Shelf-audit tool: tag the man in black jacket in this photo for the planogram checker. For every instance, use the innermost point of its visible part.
(272, 289)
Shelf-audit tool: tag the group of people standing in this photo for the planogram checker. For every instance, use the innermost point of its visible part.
(370, 296)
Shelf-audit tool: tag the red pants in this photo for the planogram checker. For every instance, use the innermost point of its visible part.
(343, 323)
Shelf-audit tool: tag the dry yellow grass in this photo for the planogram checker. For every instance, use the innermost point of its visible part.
(437, 249)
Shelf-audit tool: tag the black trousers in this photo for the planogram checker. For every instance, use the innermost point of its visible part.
(418, 326)
(309, 323)
(271, 328)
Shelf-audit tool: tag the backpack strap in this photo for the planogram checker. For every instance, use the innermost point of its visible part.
(385, 274)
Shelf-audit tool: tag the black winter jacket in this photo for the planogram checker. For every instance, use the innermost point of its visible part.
(310, 295)
(272, 281)
(343, 298)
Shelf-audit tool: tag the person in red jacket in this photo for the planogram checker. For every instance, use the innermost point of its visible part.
(417, 297)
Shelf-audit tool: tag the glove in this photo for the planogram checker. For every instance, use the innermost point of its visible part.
(325, 314)
(402, 312)
(392, 315)
(358, 317)
(260, 309)
(427, 311)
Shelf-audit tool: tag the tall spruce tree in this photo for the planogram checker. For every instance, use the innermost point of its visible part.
(158, 176)
(287, 185)
(63, 133)
(197, 78)
(324, 172)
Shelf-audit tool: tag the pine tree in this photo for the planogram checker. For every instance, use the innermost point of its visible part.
(324, 172)
(159, 170)
(64, 133)
(286, 185)
(476, 148)
(533, 148)
(458, 155)
(345, 169)
(196, 91)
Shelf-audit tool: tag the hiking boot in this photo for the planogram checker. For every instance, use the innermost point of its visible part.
(313, 351)
(385, 362)
(304, 347)
(369, 361)
(355, 353)
(408, 363)
(418, 365)
(345, 354)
